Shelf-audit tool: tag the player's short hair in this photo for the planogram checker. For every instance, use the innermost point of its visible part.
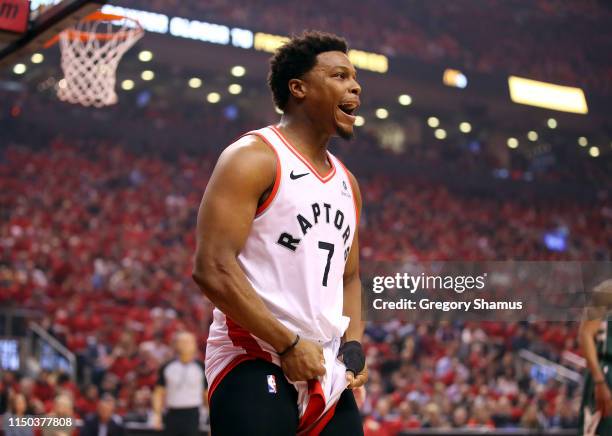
(295, 58)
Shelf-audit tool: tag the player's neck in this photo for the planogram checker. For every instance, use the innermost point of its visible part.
(306, 137)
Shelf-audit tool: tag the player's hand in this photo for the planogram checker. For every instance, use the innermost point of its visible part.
(603, 399)
(357, 381)
(303, 362)
(353, 357)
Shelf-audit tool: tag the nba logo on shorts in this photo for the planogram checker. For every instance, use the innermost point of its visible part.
(271, 384)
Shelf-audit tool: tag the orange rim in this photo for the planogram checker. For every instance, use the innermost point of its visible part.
(85, 36)
(101, 16)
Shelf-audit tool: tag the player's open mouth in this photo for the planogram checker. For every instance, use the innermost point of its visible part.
(349, 109)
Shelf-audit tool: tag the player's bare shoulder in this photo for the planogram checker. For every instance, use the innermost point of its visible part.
(253, 145)
(250, 160)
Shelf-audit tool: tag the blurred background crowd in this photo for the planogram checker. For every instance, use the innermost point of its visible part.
(98, 237)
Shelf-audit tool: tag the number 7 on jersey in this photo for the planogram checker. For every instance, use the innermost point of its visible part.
(330, 252)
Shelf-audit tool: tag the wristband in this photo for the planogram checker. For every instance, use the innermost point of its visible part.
(352, 356)
(290, 347)
(600, 382)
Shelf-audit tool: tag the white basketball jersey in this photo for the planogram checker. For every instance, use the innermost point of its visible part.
(294, 257)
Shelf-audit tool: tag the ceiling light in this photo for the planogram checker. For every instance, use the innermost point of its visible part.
(19, 69)
(382, 113)
(404, 100)
(145, 56)
(238, 71)
(195, 82)
(465, 127)
(37, 58)
(234, 89)
(213, 97)
(147, 75)
(127, 84)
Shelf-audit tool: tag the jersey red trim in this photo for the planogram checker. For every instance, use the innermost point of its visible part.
(225, 371)
(299, 155)
(316, 405)
(322, 422)
(353, 192)
(277, 179)
(243, 339)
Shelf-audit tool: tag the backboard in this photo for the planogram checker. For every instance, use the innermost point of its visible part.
(46, 19)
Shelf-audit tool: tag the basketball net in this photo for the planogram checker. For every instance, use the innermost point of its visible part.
(91, 51)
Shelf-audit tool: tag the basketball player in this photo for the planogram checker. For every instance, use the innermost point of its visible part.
(277, 253)
(596, 340)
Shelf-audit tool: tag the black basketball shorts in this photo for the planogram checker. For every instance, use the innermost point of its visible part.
(256, 399)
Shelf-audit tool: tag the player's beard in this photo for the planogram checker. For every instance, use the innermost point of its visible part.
(347, 136)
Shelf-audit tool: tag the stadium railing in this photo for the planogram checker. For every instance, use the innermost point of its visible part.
(49, 352)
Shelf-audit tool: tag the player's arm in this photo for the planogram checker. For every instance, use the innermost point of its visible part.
(352, 352)
(243, 173)
(587, 333)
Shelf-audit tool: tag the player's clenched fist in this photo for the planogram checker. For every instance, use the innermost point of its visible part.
(304, 361)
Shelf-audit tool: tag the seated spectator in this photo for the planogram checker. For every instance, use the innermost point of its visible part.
(433, 417)
(140, 410)
(17, 409)
(62, 408)
(481, 418)
(87, 403)
(460, 416)
(104, 422)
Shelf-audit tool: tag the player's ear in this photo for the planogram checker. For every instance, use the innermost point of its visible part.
(297, 88)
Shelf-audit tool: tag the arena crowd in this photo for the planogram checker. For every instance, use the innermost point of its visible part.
(98, 239)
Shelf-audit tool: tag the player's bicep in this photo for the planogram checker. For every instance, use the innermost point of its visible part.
(243, 172)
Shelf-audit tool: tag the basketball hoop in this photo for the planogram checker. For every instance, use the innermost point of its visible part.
(91, 51)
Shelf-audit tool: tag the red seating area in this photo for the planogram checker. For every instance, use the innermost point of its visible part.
(100, 240)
